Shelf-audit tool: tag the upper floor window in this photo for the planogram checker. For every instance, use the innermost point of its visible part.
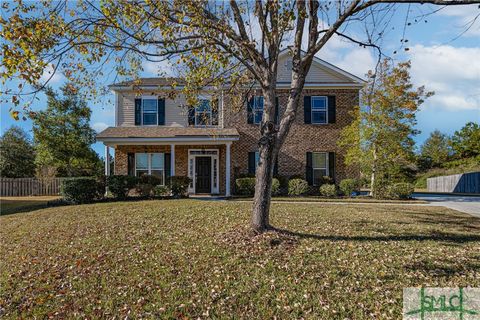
(319, 109)
(319, 166)
(203, 113)
(150, 163)
(149, 111)
(257, 109)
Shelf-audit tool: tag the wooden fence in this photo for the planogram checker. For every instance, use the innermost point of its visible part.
(458, 183)
(18, 187)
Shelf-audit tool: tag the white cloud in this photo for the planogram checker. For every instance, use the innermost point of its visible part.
(162, 68)
(452, 72)
(99, 126)
(47, 74)
(464, 17)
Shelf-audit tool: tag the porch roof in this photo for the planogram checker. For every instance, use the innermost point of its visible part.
(119, 135)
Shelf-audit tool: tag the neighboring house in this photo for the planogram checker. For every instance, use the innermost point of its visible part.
(213, 144)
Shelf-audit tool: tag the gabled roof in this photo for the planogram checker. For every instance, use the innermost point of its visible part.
(330, 67)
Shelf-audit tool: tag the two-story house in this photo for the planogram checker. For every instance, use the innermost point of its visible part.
(155, 134)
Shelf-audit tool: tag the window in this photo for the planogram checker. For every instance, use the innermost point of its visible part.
(319, 109)
(149, 111)
(319, 166)
(257, 109)
(150, 163)
(257, 159)
(203, 113)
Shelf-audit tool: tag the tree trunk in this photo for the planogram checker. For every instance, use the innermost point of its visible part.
(264, 169)
(374, 173)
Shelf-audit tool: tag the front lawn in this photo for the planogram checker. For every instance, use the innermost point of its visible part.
(193, 259)
(9, 205)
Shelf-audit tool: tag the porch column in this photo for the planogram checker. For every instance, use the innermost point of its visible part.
(107, 161)
(172, 160)
(227, 170)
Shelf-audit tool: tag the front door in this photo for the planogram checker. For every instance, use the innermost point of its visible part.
(203, 177)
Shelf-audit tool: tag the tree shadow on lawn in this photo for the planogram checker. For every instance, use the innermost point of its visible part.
(463, 221)
(433, 236)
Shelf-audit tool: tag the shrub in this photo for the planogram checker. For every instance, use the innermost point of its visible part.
(328, 190)
(81, 190)
(245, 186)
(161, 191)
(326, 180)
(275, 187)
(119, 185)
(146, 183)
(348, 186)
(297, 187)
(401, 190)
(178, 185)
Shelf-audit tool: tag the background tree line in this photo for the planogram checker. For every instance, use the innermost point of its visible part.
(61, 145)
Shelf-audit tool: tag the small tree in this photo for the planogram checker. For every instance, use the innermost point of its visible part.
(63, 135)
(17, 155)
(380, 137)
(466, 141)
(435, 151)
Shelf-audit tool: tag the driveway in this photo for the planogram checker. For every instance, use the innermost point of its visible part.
(467, 204)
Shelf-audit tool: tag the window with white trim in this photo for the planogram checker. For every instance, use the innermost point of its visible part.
(319, 166)
(149, 111)
(319, 109)
(203, 113)
(257, 109)
(150, 163)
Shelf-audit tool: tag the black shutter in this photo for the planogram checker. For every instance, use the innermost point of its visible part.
(277, 116)
(215, 107)
(131, 164)
(166, 160)
(309, 169)
(331, 109)
(191, 116)
(138, 112)
(251, 162)
(307, 109)
(331, 165)
(161, 111)
(275, 167)
(250, 111)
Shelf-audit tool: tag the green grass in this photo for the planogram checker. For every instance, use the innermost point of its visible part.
(9, 205)
(197, 259)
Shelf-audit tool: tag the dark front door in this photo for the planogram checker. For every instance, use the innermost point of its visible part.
(203, 170)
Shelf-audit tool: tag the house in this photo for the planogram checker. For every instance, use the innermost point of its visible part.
(155, 134)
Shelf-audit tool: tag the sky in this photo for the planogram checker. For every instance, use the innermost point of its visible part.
(444, 57)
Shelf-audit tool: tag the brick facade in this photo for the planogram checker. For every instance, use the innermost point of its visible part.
(302, 137)
(181, 158)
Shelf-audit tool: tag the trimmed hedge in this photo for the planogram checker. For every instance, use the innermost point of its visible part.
(246, 186)
(120, 185)
(82, 190)
(348, 186)
(297, 187)
(178, 185)
(328, 190)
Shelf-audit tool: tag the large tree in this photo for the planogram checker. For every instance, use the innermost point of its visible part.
(17, 154)
(466, 141)
(235, 44)
(380, 139)
(435, 151)
(63, 135)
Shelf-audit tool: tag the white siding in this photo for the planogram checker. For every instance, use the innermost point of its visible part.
(316, 74)
(175, 111)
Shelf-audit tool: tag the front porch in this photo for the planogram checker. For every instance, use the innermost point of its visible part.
(205, 159)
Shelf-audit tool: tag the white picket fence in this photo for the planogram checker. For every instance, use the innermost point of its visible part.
(20, 187)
